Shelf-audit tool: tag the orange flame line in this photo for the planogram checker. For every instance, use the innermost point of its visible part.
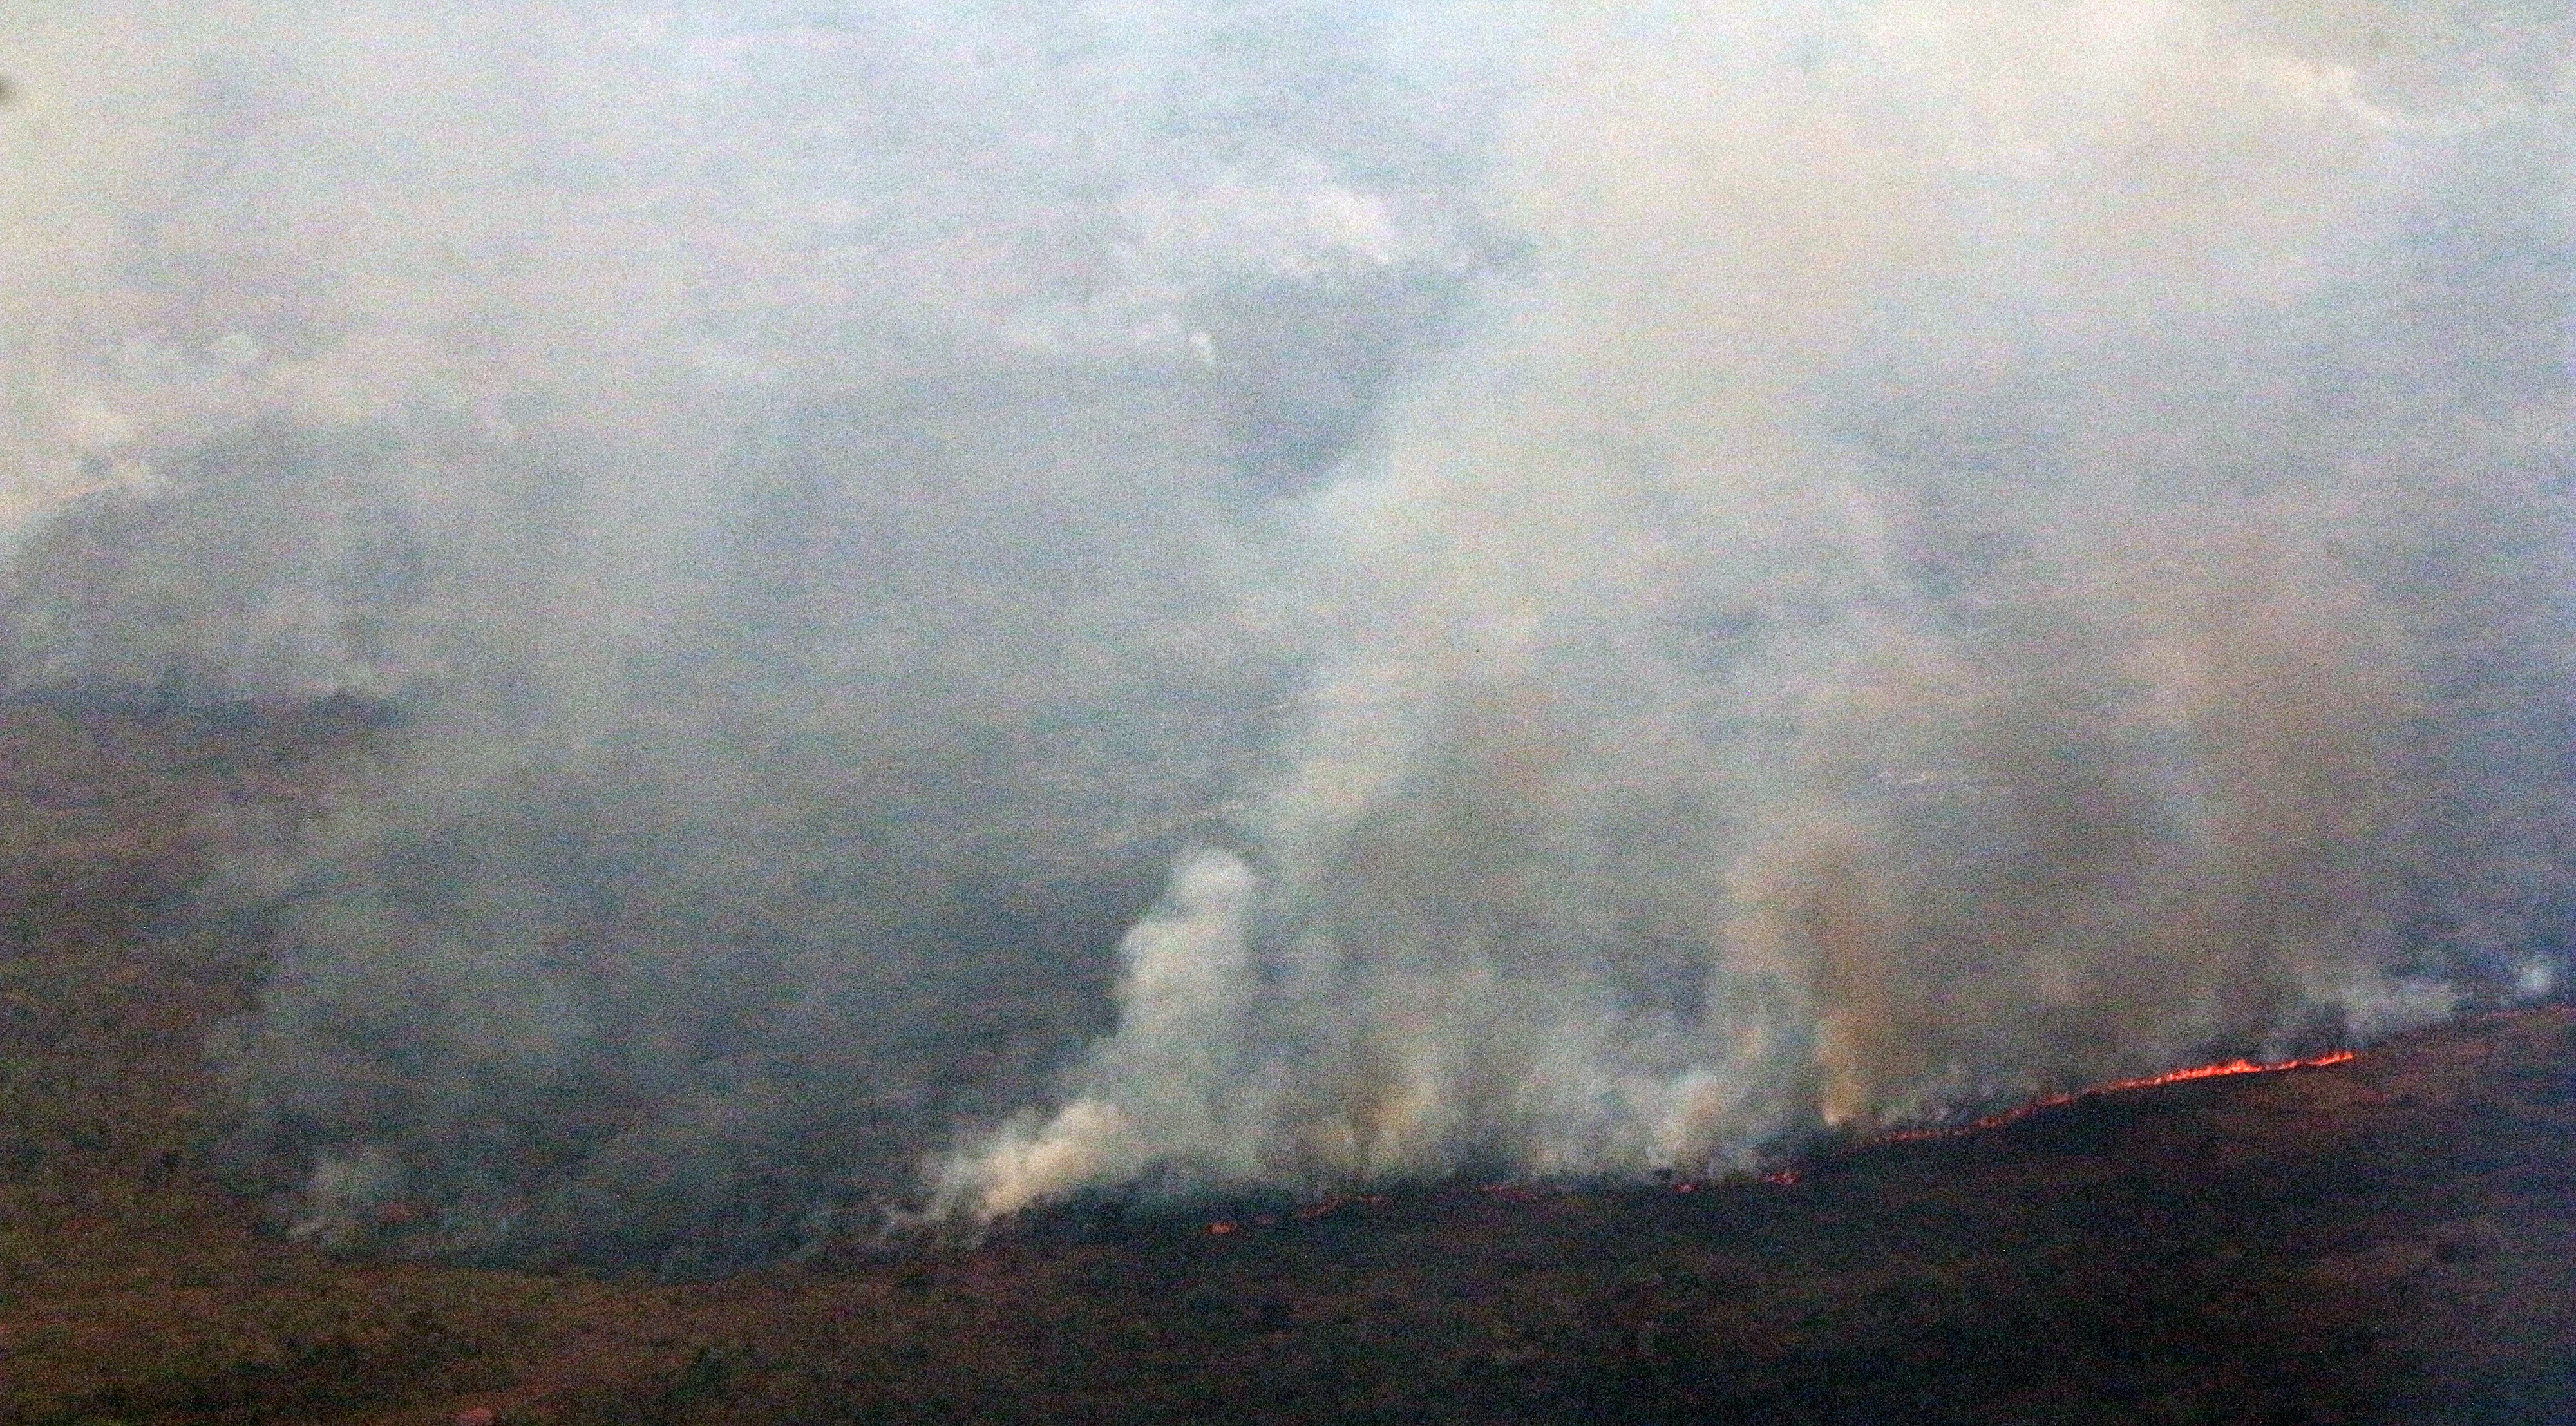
(1785, 1177)
(2117, 1086)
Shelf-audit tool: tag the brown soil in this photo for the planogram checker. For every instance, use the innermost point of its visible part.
(2389, 1239)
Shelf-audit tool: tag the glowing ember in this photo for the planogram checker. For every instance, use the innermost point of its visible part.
(1327, 1206)
(1304, 1213)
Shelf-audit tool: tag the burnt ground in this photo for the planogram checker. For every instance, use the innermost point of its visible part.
(2389, 1239)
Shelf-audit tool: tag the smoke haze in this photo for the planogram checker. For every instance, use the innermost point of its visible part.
(981, 603)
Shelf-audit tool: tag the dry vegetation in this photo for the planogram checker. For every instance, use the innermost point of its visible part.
(2390, 1239)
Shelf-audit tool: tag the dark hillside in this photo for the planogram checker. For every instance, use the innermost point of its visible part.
(2388, 1239)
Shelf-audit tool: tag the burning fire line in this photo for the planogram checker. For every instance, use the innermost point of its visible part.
(1786, 1177)
(2117, 1086)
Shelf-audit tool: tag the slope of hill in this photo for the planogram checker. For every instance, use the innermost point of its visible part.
(2390, 1238)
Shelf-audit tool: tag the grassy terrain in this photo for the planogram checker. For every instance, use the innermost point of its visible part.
(2394, 1238)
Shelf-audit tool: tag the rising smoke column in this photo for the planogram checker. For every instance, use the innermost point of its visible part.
(1635, 580)
(2002, 546)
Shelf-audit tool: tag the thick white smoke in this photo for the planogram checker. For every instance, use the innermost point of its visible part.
(1643, 579)
(2000, 546)
(794, 476)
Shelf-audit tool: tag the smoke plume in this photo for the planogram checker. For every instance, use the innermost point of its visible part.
(981, 603)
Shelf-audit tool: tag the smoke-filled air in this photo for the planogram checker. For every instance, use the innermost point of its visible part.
(971, 606)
